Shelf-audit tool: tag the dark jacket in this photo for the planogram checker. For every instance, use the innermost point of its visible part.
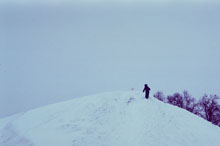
(146, 88)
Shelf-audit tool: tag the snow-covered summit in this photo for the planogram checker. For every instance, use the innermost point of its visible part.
(108, 119)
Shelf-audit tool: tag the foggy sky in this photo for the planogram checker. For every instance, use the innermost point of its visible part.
(54, 53)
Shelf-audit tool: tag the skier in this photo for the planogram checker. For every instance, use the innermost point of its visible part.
(147, 91)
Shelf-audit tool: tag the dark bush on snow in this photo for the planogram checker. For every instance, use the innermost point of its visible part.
(175, 99)
(211, 108)
(189, 103)
(159, 95)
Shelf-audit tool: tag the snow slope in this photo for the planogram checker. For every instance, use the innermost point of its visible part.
(108, 119)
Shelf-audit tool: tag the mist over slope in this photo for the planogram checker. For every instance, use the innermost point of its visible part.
(108, 119)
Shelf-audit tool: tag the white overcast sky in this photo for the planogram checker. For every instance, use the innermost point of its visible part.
(87, 2)
(52, 51)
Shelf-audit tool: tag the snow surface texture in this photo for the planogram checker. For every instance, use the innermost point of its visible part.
(108, 119)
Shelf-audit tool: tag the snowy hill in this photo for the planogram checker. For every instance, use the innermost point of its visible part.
(108, 119)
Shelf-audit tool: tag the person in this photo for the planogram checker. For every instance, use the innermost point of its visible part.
(147, 91)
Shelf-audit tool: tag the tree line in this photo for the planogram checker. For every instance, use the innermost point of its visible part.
(207, 107)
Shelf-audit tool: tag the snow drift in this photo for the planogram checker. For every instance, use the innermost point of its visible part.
(108, 119)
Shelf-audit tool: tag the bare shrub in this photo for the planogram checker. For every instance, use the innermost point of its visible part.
(189, 103)
(175, 99)
(211, 108)
(159, 95)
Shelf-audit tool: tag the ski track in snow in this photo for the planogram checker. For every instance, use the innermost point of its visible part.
(108, 119)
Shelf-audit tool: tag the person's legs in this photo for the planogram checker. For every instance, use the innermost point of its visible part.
(147, 95)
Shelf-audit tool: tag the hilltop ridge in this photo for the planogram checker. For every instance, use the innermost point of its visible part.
(108, 119)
